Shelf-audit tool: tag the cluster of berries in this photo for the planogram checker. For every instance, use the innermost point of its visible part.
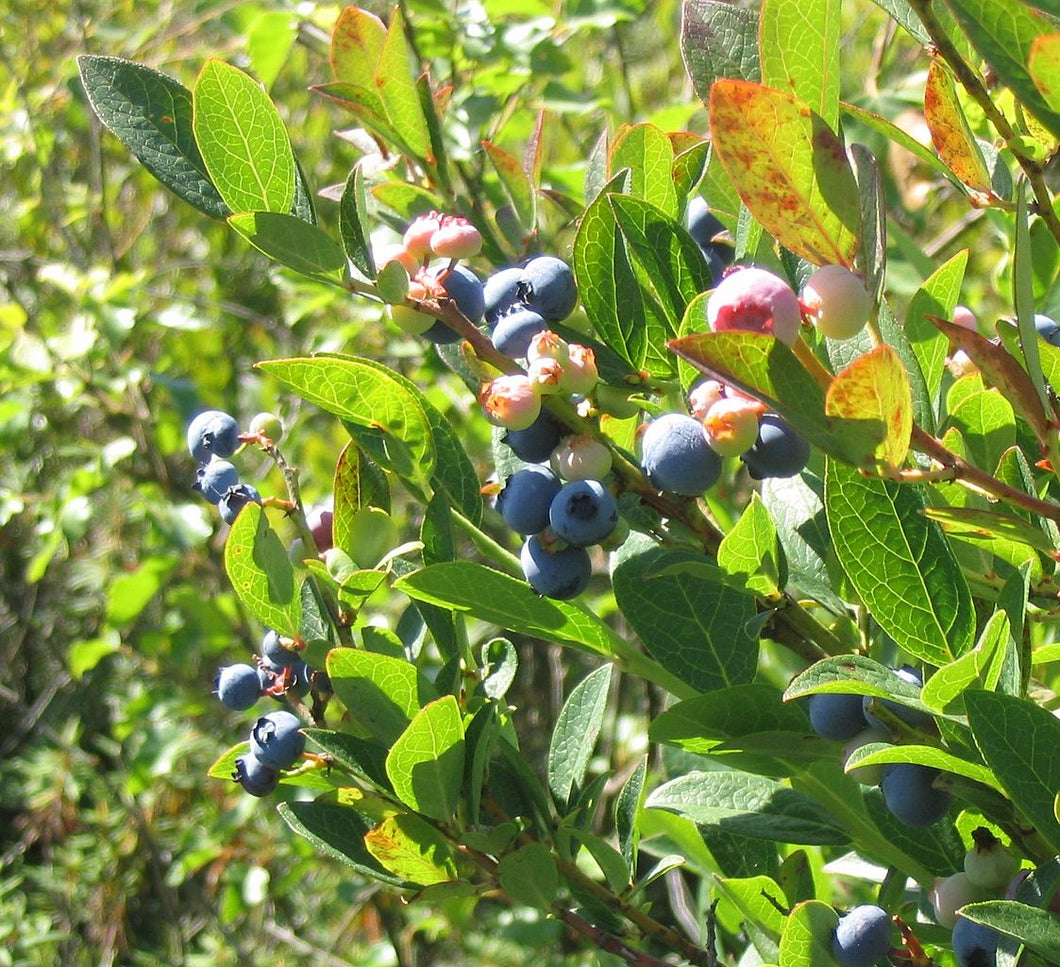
(213, 436)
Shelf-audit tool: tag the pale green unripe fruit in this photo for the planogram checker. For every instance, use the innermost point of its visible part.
(949, 894)
(411, 320)
(837, 301)
(267, 425)
(990, 864)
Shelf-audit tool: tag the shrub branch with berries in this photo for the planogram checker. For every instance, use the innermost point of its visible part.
(814, 512)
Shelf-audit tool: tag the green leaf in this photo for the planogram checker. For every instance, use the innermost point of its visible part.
(637, 270)
(295, 243)
(367, 396)
(798, 47)
(529, 875)
(695, 628)
(84, 655)
(382, 694)
(1043, 65)
(718, 39)
(364, 759)
(1037, 929)
(1003, 32)
(357, 41)
(243, 141)
(648, 154)
(874, 389)
(397, 90)
(790, 169)
(900, 564)
(987, 423)
(758, 899)
(261, 574)
(980, 667)
(881, 753)
(807, 937)
(436, 531)
(763, 366)
(574, 736)
(749, 806)
(426, 763)
(337, 831)
(1020, 741)
(751, 552)
(627, 809)
(516, 184)
(358, 483)
(950, 132)
(354, 225)
(411, 849)
(151, 114)
(936, 297)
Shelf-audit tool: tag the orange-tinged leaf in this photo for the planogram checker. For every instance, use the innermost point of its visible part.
(876, 387)
(1044, 67)
(790, 169)
(950, 133)
(356, 45)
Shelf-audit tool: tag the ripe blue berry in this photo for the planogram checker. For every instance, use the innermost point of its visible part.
(1047, 328)
(515, 329)
(703, 224)
(583, 513)
(677, 457)
(836, 716)
(910, 795)
(778, 452)
(555, 574)
(214, 479)
(538, 440)
(465, 289)
(974, 945)
(235, 500)
(212, 433)
(918, 720)
(272, 649)
(525, 499)
(548, 286)
(500, 292)
(237, 686)
(862, 937)
(254, 776)
(276, 740)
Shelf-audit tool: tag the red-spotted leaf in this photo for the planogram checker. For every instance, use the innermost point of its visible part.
(876, 387)
(1044, 68)
(516, 184)
(790, 169)
(950, 131)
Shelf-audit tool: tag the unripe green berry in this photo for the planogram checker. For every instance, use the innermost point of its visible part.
(990, 864)
(268, 425)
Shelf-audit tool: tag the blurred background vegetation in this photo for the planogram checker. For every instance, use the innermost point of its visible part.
(122, 313)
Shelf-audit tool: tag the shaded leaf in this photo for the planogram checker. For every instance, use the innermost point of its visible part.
(575, 734)
(354, 225)
(718, 39)
(950, 131)
(516, 184)
(261, 574)
(295, 243)
(529, 875)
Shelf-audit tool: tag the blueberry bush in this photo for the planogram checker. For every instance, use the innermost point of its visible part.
(739, 413)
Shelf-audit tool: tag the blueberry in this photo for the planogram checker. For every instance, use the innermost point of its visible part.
(273, 650)
(465, 289)
(836, 716)
(235, 500)
(548, 286)
(237, 686)
(212, 433)
(525, 499)
(302, 676)
(555, 574)
(676, 456)
(538, 440)
(515, 329)
(910, 795)
(703, 224)
(500, 292)
(974, 945)
(583, 513)
(276, 739)
(918, 720)
(1047, 328)
(778, 452)
(862, 937)
(214, 479)
(254, 776)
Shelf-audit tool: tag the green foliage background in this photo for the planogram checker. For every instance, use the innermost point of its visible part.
(123, 312)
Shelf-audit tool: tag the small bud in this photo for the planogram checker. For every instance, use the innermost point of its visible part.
(456, 238)
(581, 458)
(510, 401)
(732, 427)
(580, 374)
(267, 425)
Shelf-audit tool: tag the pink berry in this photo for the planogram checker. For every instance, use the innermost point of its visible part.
(418, 235)
(965, 318)
(456, 238)
(548, 345)
(704, 395)
(581, 458)
(837, 301)
(732, 427)
(755, 300)
(579, 372)
(397, 253)
(510, 401)
(546, 375)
